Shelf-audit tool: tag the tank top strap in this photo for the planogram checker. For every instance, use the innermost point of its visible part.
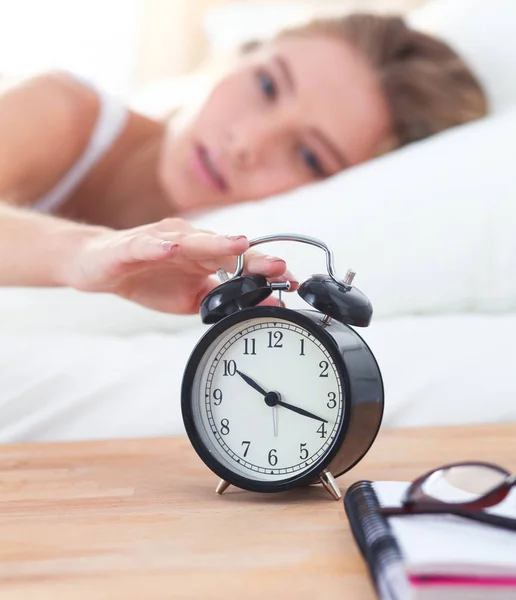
(110, 123)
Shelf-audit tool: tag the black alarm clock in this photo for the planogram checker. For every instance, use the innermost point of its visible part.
(274, 398)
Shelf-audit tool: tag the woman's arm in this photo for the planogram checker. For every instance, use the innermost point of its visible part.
(35, 249)
(166, 266)
(45, 123)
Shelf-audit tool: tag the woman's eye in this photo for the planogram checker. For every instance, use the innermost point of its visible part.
(267, 85)
(312, 162)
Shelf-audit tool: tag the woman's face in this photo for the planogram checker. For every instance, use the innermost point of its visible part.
(292, 113)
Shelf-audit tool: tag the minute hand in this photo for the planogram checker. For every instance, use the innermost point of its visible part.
(300, 411)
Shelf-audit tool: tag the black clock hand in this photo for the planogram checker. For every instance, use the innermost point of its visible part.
(273, 398)
(300, 411)
(252, 383)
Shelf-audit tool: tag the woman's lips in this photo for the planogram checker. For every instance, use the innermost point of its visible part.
(206, 170)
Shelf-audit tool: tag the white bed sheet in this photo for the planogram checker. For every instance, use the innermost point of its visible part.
(68, 385)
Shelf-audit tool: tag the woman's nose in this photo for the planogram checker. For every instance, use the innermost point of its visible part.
(250, 143)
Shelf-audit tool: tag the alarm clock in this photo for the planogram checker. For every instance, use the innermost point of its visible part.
(274, 398)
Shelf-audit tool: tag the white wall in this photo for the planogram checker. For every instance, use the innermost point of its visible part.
(96, 38)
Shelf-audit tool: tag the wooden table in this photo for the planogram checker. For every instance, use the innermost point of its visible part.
(140, 519)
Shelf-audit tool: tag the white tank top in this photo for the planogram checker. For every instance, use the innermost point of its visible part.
(110, 123)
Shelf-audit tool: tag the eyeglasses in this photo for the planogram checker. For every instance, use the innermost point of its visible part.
(462, 489)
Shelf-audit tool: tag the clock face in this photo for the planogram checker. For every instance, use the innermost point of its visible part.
(267, 398)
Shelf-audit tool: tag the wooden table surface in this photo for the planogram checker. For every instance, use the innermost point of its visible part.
(140, 519)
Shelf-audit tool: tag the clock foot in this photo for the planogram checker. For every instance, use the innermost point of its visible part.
(330, 484)
(222, 486)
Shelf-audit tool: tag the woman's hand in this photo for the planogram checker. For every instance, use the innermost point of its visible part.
(167, 266)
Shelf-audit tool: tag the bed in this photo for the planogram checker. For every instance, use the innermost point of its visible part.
(429, 230)
(80, 367)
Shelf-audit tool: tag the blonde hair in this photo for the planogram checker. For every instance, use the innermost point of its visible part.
(427, 85)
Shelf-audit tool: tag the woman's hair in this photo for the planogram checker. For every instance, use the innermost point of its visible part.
(428, 87)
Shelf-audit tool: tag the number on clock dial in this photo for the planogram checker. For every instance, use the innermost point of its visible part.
(274, 341)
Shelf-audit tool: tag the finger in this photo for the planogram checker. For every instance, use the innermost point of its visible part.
(143, 247)
(267, 266)
(271, 266)
(200, 246)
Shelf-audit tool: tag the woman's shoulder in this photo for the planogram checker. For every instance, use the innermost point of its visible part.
(46, 121)
(52, 90)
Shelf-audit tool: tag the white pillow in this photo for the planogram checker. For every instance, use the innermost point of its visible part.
(483, 32)
(429, 228)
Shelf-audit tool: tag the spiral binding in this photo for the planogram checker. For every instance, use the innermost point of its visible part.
(376, 542)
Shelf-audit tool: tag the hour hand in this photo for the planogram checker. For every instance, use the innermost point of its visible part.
(252, 383)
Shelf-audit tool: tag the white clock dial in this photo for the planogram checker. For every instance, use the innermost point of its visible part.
(270, 399)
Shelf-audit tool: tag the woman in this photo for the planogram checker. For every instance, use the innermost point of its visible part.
(316, 100)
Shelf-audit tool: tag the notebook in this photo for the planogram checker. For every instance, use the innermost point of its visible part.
(422, 557)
